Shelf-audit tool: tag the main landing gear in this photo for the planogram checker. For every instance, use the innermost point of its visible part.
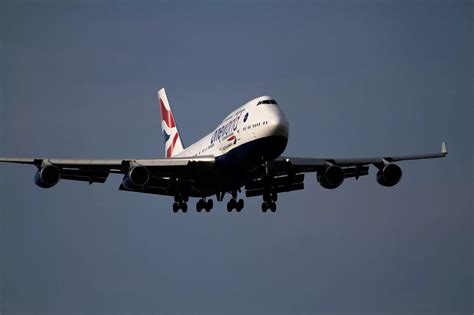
(269, 202)
(206, 205)
(180, 202)
(234, 204)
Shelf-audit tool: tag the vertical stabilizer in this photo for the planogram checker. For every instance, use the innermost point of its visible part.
(173, 144)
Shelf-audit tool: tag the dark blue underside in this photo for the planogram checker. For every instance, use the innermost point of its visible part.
(232, 169)
(253, 153)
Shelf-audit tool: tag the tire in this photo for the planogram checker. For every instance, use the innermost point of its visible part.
(175, 207)
(199, 206)
(184, 207)
(264, 207)
(231, 205)
(273, 207)
(266, 198)
(209, 204)
(240, 203)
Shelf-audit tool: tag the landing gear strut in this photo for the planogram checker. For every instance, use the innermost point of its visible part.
(234, 204)
(269, 202)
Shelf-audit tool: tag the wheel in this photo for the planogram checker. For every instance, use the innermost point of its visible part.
(231, 205)
(264, 207)
(275, 197)
(199, 206)
(273, 207)
(209, 204)
(266, 198)
(175, 207)
(184, 207)
(240, 205)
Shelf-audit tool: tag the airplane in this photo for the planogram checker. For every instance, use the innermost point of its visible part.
(242, 153)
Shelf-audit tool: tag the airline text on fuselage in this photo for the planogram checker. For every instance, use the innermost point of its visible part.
(226, 128)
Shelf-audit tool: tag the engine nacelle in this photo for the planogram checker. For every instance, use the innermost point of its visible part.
(136, 177)
(47, 176)
(389, 175)
(332, 177)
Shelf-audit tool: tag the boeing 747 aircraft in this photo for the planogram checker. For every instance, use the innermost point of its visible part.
(242, 153)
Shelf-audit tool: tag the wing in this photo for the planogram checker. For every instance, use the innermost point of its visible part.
(143, 175)
(287, 173)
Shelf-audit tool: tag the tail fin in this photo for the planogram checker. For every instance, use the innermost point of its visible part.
(173, 144)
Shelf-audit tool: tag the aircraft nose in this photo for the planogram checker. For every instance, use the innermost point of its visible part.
(279, 124)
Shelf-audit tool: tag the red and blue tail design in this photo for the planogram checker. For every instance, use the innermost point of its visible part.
(173, 144)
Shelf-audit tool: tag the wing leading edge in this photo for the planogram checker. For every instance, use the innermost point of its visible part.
(314, 164)
(111, 164)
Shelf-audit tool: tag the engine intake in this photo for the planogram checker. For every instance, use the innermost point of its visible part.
(389, 175)
(47, 176)
(332, 177)
(136, 177)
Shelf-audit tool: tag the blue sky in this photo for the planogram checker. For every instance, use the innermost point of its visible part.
(362, 78)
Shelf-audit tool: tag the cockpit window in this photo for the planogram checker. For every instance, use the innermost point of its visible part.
(267, 102)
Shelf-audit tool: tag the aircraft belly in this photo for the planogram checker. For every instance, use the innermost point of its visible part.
(252, 153)
(229, 172)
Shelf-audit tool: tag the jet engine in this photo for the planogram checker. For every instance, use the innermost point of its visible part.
(389, 175)
(136, 177)
(47, 176)
(331, 177)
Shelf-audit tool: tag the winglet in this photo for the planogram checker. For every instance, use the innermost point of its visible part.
(443, 148)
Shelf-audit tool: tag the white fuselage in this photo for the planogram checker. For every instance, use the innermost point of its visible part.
(257, 119)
